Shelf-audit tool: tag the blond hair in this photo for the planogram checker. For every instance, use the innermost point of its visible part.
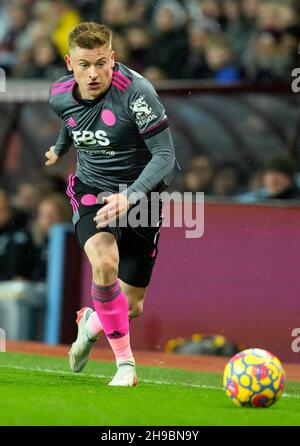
(90, 35)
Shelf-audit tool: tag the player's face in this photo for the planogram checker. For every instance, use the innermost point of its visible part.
(92, 69)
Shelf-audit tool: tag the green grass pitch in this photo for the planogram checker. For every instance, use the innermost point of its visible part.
(40, 390)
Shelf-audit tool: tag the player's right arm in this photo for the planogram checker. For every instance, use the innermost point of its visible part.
(56, 101)
(51, 156)
(55, 153)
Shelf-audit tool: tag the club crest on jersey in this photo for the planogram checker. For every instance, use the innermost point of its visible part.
(144, 113)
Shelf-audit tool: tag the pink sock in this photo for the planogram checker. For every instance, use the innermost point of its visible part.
(94, 326)
(112, 309)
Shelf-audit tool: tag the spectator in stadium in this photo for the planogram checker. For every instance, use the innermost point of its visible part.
(67, 16)
(140, 12)
(43, 62)
(241, 30)
(231, 11)
(255, 183)
(261, 34)
(121, 47)
(52, 209)
(238, 29)
(290, 17)
(212, 9)
(27, 198)
(264, 64)
(272, 58)
(11, 40)
(202, 17)
(49, 183)
(279, 179)
(4, 19)
(196, 65)
(228, 180)
(30, 193)
(169, 47)
(249, 9)
(16, 248)
(272, 53)
(154, 74)
(289, 45)
(221, 60)
(88, 8)
(115, 13)
(38, 28)
(139, 45)
(199, 176)
(41, 24)
(290, 39)
(269, 17)
(255, 190)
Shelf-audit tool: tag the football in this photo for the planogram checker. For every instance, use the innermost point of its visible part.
(254, 378)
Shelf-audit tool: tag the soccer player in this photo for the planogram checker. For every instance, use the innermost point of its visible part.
(120, 130)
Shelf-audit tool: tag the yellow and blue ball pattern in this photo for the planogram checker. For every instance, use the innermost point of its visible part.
(254, 378)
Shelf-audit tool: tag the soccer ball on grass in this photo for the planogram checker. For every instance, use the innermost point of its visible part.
(254, 378)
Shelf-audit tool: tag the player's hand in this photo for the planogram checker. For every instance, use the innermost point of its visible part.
(115, 206)
(52, 157)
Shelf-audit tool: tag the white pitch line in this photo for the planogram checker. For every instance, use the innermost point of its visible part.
(148, 381)
(91, 375)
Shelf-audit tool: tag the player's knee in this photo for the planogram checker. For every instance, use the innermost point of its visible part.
(105, 267)
(100, 245)
(106, 263)
(136, 309)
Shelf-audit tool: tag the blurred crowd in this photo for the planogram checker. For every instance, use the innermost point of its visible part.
(25, 221)
(223, 40)
(278, 179)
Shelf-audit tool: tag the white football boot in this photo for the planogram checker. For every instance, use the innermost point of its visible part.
(80, 350)
(126, 374)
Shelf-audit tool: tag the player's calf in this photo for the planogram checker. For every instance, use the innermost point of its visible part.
(135, 309)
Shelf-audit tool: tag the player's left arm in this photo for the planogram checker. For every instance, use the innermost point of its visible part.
(148, 114)
(162, 163)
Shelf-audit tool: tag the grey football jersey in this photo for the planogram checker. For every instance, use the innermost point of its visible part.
(111, 133)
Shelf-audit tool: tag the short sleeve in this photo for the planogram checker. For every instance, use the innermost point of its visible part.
(145, 109)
